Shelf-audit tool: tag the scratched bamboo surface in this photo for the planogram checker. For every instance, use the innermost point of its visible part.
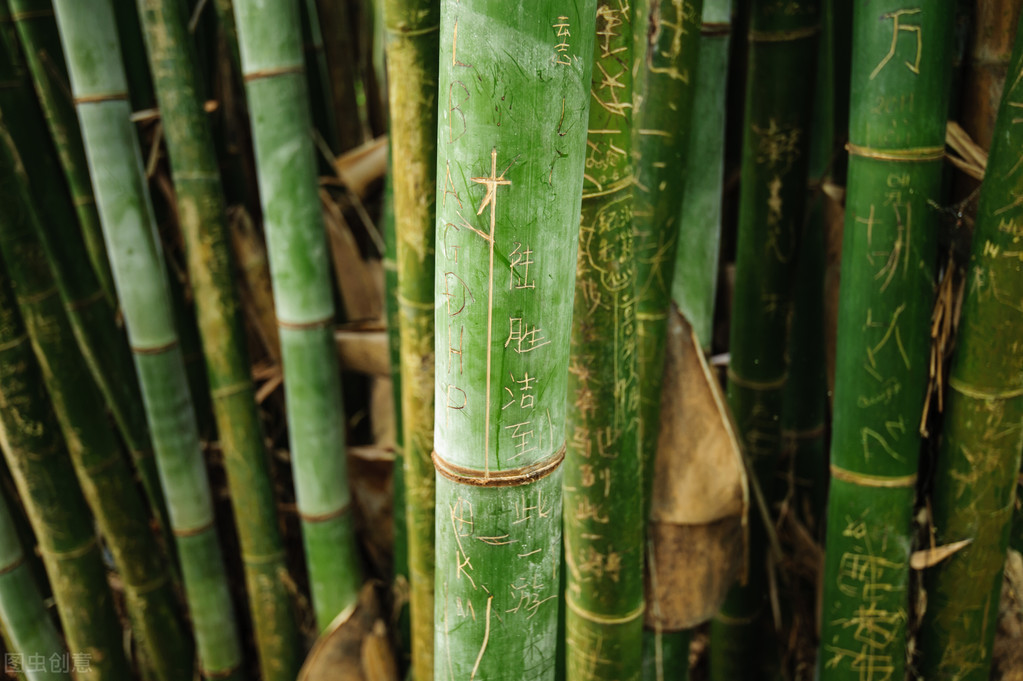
(900, 81)
(514, 91)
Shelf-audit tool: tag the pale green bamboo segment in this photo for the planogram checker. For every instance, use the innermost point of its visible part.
(99, 87)
(514, 94)
(603, 471)
(37, 30)
(975, 487)
(204, 226)
(694, 285)
(28, 628)
(412, 28)
(272, 64)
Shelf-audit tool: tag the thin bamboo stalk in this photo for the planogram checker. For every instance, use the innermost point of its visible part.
(63, 526)
(412, 44)
(28, 627)
(975, 484)
(103, 473)
(900, 81)
(271, 52)
(603, 476)
(510, 159)
(204, 227)
(318, 82)
(111, 146)
(772, 205)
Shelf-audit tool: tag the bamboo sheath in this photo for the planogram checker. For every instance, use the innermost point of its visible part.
(412, 42)
(53, 501)
(782, 41)
(603, 466)
(27, 626)
(975, 485)
(514, 97)
(98, 85)
(272, 64)
(84, 293)
(900, 77)
(200, 203)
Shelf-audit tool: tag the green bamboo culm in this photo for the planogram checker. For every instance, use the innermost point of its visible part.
(603, 468)
(694, 286)
(27, 626)
(318, 83)
(412, 44)
(37, 30)
(271, 51)
(900, 75)
(92, 318)
(772, 200)
(42, 470)
(510, 157)
(103, 472)
(975, 483)
(111, 146)
(204, 226)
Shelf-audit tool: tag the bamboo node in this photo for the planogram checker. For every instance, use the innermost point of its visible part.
(193, 531)
(324, 517)
(505, 478)
(74, 305)
(13, 565)
(270, 73)
(605, 619)
(773, 384)
(756, 36)
(981, 394)
(147, 587)
(74, 553)
(156, 349)
(299, 326)
(711, 28)
(101, 98)
(916, 154)
(229, 390)
(865, 480)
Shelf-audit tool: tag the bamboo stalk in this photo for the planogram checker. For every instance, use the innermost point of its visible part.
(603, 464)
(42, 470)
(92, 319)
(37, 31)
(900, 77)
(412, 44)
(771, 214)
(509, 179)
(104, 475)
(318, 82)
(974, 498)
(98, 84)
(204, 226)
(341, 66)
(28, 627)
(271, 51)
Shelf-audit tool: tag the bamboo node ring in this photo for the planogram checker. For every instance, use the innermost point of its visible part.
(511, 477)
(908, 155)
(865, 480)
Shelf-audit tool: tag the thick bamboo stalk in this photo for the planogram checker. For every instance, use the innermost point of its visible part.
(975, 484)
(92, 319)
(694, 285)
(111, 146)
(103, 473)
(771, 213)
(510, 161)
(46, 482)
(271, 51)
(338, 41)
(204, 227)
(412, 43)
(37, 31)
(28, 628)
(603, 476)
(900, 77)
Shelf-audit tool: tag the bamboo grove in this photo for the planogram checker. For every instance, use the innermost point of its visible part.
(467, 339)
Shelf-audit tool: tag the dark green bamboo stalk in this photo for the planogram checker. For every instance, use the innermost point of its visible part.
(133, 56)
(603, 466)
(103, 473)
(900, 76)
(204, 227)
(975, 484)
(338, 42)
(98, 335)
(510, 162)
(28, 627)
(271, 51)
(45, 59)
(694, 285)
(111, 146)
(318, 83)
(412, 30)
(54, 503)
(782, 41)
